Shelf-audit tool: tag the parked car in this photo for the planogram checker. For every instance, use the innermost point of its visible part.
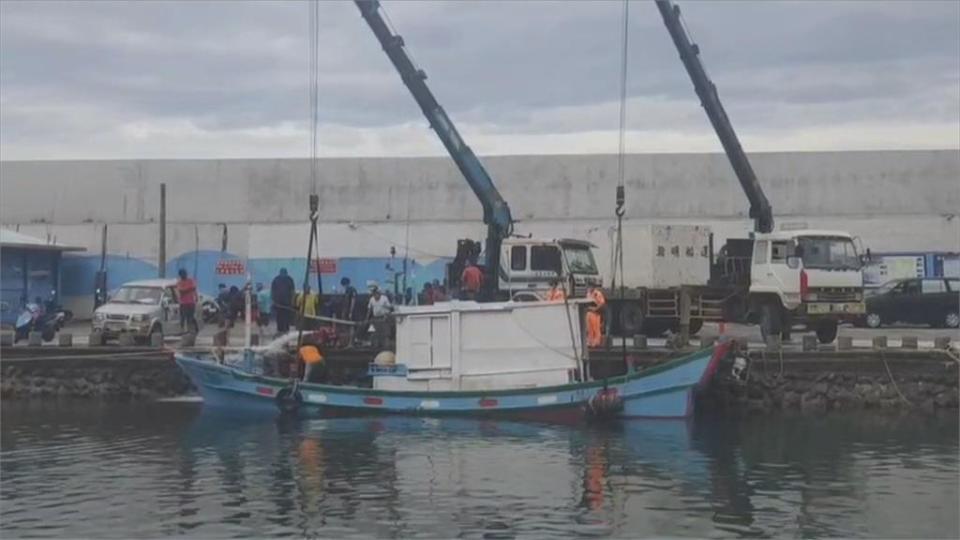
(141, 308)
(933, 301)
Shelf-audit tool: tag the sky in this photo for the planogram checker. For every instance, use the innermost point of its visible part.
(127, 80)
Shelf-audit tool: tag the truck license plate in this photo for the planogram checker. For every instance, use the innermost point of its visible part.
(824, 308)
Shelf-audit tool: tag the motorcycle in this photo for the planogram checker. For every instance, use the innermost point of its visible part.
(209, 311)
(48, 319)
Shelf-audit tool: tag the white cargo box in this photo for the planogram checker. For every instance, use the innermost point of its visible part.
(663, 256)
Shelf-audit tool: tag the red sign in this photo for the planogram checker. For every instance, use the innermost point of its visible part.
(233, 267)
(324, 266)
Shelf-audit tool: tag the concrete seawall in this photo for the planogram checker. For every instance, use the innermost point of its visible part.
(889, 380)
(108, 373)
(810, 382)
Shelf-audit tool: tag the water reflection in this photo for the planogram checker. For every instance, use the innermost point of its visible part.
(164, 470)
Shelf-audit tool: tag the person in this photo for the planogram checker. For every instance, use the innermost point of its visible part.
(281, 291)
(263, 306)
(235, 305)
(439, 293)
(427, 294)
(187, 295)
(349, 304)
(223, 301)
(594, 318)
(471, 280)
(556, 292)
(378, 308)
(314, 368)
(307, 307)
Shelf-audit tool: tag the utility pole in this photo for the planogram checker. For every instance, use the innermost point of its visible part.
(162, 263)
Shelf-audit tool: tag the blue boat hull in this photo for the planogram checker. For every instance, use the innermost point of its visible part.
(662, 391)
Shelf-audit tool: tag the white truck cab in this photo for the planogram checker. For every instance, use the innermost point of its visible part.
(529, 264)
(805, 275)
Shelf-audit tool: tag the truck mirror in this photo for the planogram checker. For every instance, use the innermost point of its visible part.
(793, 262)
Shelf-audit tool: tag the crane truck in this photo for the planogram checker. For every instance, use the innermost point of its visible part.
(512, 265)
(776, 278)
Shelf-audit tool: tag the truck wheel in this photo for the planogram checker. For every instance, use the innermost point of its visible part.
(631, 319)
(873, 320)
(827, 331)
(48, 333)
(769, 320)
(695, 326)
(155, 330)
(952, 320)
(655, 328)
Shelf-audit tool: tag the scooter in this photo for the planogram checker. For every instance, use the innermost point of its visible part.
(36, 319)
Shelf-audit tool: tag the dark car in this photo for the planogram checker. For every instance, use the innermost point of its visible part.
(933, 301)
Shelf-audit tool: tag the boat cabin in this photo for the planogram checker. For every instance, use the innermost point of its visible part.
(456, 345)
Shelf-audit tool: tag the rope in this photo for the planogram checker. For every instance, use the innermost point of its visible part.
(581, 365)
(621, 193)
(624, 40)
(892, 380)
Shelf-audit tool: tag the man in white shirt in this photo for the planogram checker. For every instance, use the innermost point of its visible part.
(378, 308)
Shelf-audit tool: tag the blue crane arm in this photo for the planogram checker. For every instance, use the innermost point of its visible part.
(760, 209)
(496, 212)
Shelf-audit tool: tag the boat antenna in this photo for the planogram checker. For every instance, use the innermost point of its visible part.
(406, 242)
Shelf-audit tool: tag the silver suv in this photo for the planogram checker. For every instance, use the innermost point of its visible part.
(141, 308)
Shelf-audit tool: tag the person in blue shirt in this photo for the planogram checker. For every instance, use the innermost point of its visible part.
(264, 303)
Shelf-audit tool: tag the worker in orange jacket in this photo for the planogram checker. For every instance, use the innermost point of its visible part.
(594, 317)
(556, 292)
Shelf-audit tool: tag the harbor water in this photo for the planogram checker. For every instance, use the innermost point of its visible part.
(83, 469)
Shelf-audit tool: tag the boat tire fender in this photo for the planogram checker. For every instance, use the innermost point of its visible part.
(289, 400)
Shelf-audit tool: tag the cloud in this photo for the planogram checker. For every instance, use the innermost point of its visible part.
(213, 79)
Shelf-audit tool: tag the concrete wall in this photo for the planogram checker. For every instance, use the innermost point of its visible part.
(894, 200)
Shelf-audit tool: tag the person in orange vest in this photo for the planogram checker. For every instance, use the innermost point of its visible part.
(314, 367)
(470, 281)
(594, 317)
(556, 292)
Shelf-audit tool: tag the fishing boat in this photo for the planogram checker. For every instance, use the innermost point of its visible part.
(514, 359)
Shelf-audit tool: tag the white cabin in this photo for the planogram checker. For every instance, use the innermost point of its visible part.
(485, 346)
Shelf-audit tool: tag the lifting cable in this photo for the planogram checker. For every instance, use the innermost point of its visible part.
(314, 240)
(621, 197)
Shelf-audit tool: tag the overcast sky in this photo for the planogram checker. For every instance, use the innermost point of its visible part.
(230, 80)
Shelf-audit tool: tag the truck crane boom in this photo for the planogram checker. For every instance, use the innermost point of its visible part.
(760, 210)
(496, 212)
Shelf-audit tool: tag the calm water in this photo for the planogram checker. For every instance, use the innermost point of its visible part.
(166, 469)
